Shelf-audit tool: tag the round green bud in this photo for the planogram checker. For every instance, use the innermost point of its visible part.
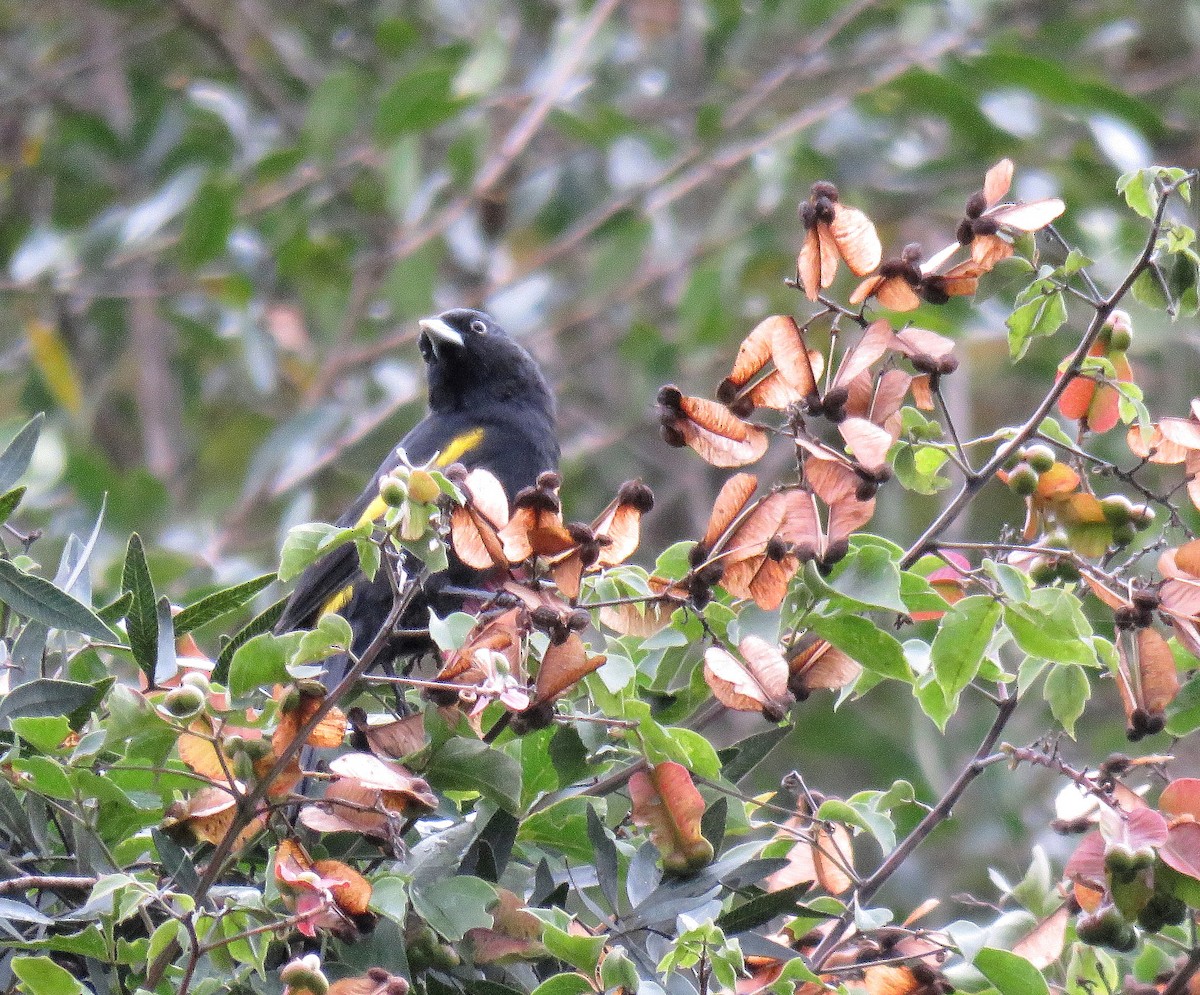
(184, 702)
(1043, 570)
(1066, 570)
(1143, 517)
(392, 491)
(1118, 510)
(1123, 535)
(1040, 457)
(1023, 479)
(1121, 336)
(196, 679)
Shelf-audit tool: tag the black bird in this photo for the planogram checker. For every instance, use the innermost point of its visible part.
(489, 407)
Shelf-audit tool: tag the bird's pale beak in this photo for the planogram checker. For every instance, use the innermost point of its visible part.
(440, 333)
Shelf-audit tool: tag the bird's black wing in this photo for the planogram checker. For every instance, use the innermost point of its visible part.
(331, 574)
(515, 446)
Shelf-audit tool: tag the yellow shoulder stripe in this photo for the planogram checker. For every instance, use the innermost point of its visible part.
(459, 446)
(339, 600)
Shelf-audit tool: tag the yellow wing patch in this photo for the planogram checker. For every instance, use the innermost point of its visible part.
(459, 446)
(339, 600)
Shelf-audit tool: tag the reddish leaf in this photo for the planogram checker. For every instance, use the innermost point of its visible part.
(666, 802)
(732, 501)
(757, 683)
(856, 240)
(1181, 852)
(717, 436)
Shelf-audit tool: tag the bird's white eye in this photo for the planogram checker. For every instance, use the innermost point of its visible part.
(478, 327)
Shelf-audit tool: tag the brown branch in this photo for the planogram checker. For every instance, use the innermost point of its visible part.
(940, 812)
(973, 484)
(46, 882)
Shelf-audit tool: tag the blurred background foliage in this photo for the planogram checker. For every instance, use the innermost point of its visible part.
(219, 223)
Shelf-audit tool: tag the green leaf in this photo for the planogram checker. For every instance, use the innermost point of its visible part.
(869, 576)
(1067, 690)
(418, 102)
(454, 905)
(14, 911)
(333, 111)
(331, 636)
(470, 765)
(44, 733)
(1010, 974)
(15, 459)
(1038, 318)
(1049, 634)
(864, 642)
(560, 826)
(762, 909)
(565, 984)
(219, 603)
(1183, 714)
(582, 952)
(46, 697)
(962, 638)
(263, 622)
(35, 598)
(259, 662)
(9, 502)
(165, 665)
(41, 976)
(1139, 191)
(305, 544)
(141, 622)
(208, 223)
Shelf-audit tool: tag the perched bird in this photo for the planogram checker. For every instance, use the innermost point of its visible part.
(489, 407)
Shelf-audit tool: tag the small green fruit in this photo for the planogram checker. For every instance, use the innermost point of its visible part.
(1043, 570)
(1123, 535)
(1023, 480)
(1118, 510)
(184, 702)
(1143, 517)
(1041, 458)
(392, 491)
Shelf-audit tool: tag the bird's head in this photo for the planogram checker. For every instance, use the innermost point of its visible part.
(470, 359)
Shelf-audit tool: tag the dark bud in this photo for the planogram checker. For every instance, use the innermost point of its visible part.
(1071, 827)
(456, 473)
(358, 722)
(1126, 618)
(533, 719)
(808, 214)
(1146, 600)
(581, 533)
(697, 555)
(442, 697)
(537, 498)
(836, 398)
(636, 493)
(965, 232)
(923, 974)
(804, 552)
(774, 711)
(699, 592)
(823, 188)
(670, 396)
(378, 975)
(882, 474)
(742, 407)
(823, 207)
(836, 415)
(912, 253)
(837, 551)
(672, 436)
(549, 480)
(1115, 765)
(812, 404)
(711, 573)
(797, 688)
(976, 205)
(776, 549)
(947, 365)
(727, 391)
(579, 620)
(865, 490)
(589, 552)
(985, 226)
(545, 618)
(933, 290)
